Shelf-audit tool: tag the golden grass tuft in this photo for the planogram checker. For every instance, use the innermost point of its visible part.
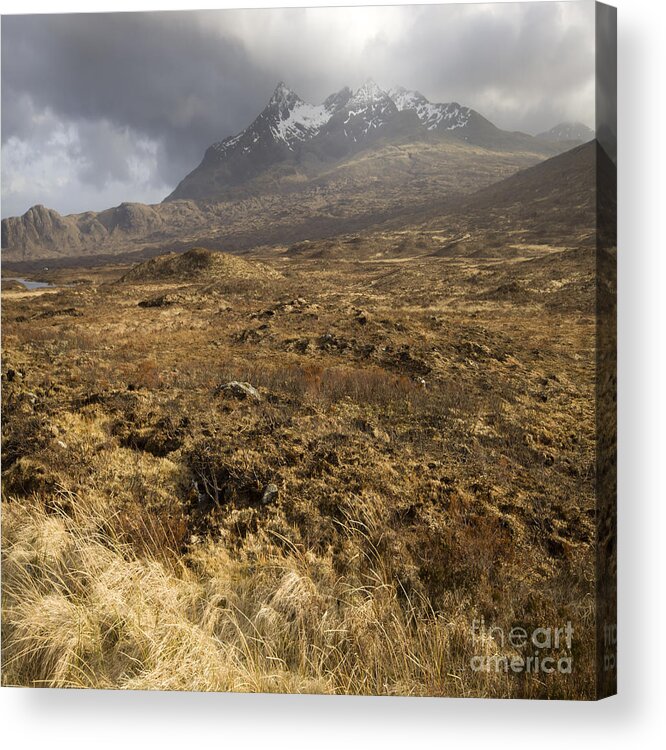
(81, 609)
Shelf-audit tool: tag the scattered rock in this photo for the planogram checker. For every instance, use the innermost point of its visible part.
(329, 341)
(250, 335)
(236, 389)
(298, 305)
(361, 316)
(70, 312)
(270, 494)
(298, 345)
(476, 352)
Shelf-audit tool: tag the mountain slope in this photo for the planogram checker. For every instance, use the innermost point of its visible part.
(392, 178)
(566, 200)
(461, 122)
(44, 233)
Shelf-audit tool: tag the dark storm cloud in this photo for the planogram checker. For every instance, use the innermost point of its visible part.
(120, 106)
(161, 75)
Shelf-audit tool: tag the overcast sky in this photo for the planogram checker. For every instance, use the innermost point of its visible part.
(103, 108)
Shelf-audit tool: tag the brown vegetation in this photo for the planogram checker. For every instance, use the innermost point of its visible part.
(420, 453)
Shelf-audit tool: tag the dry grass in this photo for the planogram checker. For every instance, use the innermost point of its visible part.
(81, 609)
(432, 468)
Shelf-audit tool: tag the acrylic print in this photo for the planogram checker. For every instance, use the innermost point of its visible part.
(308, 371)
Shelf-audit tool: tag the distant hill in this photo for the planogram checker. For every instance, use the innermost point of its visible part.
(568, 132)
(44, 233)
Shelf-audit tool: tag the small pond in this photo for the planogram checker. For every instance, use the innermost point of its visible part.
(29, 284)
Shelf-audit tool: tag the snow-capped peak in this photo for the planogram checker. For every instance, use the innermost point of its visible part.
(369, 109)
(447, 116)
(283, 95)
(405, 99)
(300, 122)
(288, 120)
(368, 93)
(338, 100)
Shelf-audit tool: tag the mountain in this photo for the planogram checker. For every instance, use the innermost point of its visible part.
(568, 131)
(272, 137)
(386, 179)
(446, 116)
(298, 171)
(290, 130)
(305, 138)
(461, 122)
(366, 112)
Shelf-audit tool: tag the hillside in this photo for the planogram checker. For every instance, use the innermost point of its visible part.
(556, 201)
(286, 203)
(309, 484)
(567, 201)
(43, 233)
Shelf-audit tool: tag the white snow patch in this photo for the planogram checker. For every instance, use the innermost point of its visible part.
(302, 121)
(223, 146)
(449, 116)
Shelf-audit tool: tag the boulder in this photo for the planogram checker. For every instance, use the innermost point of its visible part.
(236, 389)
(270, 494)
